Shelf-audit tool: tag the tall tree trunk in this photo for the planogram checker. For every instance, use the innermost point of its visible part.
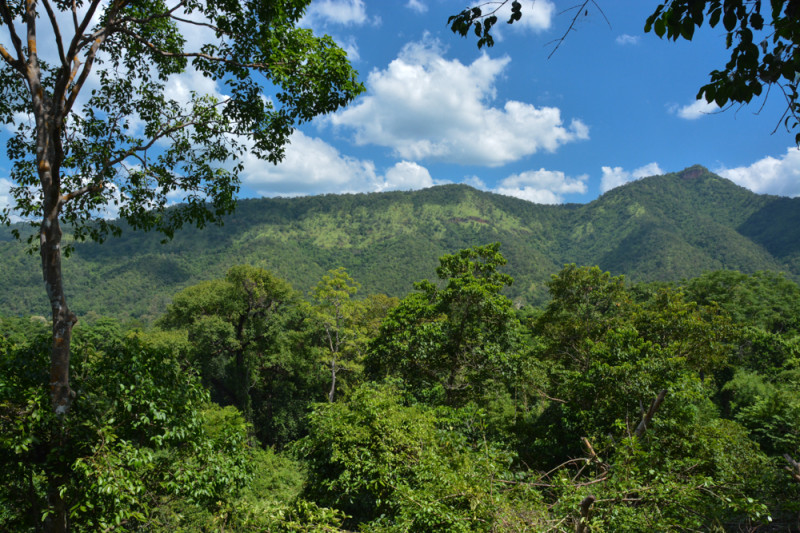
(49, 156)
(63, 318)
(60, 391)
(333, 378)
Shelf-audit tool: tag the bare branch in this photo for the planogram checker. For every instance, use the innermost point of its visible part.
(93, 188)
(5, 12)
(585, 506)
(15, 64)
(57, 31)
(75, 44)
(198, 23)
(642, 427)
(74, 17)
(579, 9)
(793, 468)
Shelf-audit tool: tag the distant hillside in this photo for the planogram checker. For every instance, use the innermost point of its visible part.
(660, 228)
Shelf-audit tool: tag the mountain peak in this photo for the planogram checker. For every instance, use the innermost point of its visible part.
(694, 172)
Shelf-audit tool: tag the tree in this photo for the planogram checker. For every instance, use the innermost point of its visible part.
(456, 338)
(764, 42)
(250, 337)
(395, 465)
(332, 296)
(142, 438)
(105, 131)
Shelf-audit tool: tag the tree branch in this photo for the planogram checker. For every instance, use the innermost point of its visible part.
(15, 40)
(146, 20)
(794, 467)
(93, 188)
(581, 8)
(13, 63)
(585, 506)
(57, 31)
(63, 95)
(201, 55)
(642, 427)
(76, 44)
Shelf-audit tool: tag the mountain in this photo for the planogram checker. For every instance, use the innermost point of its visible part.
(659, 228)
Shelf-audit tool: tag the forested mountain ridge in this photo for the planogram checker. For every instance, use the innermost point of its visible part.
(659, 228)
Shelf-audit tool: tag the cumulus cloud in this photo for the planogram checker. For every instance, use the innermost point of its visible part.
(769, 175)
(696, 109)
(417, 5)
(312, 166)
(626, 39)
(405, 176)
(339, 12)
(542, 186)
(424, 106)
(616, 176)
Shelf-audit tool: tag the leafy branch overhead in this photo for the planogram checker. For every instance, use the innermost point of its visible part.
(763, 39)
(764, 44)
(117, 135)
(481, 19)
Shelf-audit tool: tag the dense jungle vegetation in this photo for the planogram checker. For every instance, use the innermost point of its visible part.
(250, 406)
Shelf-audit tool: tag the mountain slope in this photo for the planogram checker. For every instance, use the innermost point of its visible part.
(659, 228)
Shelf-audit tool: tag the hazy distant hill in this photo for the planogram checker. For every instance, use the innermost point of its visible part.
(659, 228)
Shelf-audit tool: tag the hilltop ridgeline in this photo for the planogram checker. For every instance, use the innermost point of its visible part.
(661, 228)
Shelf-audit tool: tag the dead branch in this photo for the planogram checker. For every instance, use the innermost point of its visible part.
(583, 524)
(793, 468)
(642, 427)
(579, 9)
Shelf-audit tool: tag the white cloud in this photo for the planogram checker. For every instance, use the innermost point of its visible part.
(341, 12)
(769, 175)
(696, 109)
(349, 45)
(179, 87)
(426, 107)
(542, 186)
(616, 176)
(531, 194)
(626, 39)
(537, 15)
(406, 176)
(5, 196)
(417, 5)
(312, 166)
(475, 181)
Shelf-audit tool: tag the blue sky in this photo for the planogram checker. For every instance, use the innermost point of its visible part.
(613, 104)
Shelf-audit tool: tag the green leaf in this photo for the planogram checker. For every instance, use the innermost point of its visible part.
(659, 27)
(687, 29)
(729, 20)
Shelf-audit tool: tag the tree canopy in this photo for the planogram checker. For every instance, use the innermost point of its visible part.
(109, 132)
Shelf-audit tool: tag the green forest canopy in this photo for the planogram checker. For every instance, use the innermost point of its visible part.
(614, 406)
